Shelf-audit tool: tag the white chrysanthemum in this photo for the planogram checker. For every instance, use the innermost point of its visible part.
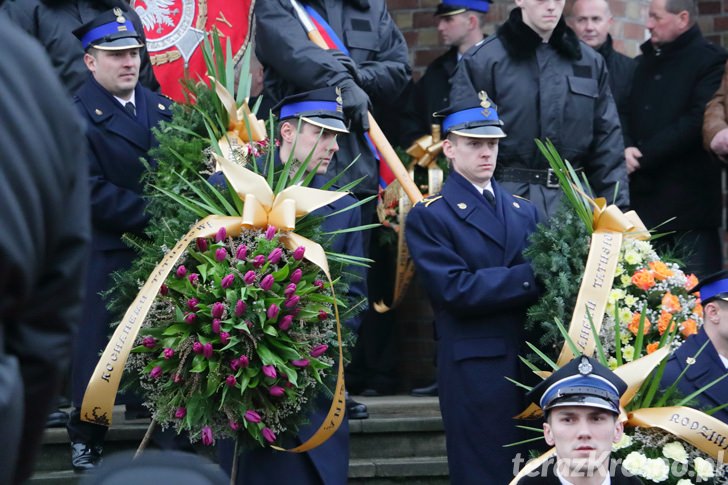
(632, 257)
(609, 310)
(630, 300)
(625, 280)
(628, 353)
(613, 364)
(675, 451)
(655, 469)
(615, 295)
(703, 468)
(634, 462)
(626, 440)
(684, 481)
(625, 315)
(618, 270)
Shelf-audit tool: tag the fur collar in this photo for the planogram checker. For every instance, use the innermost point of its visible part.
(521, 41)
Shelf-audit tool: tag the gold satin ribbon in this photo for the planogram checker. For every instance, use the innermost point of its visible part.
(424, 151)
(243, 126)
(280, 210)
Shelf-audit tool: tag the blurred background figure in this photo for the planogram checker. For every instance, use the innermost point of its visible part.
(44, 239)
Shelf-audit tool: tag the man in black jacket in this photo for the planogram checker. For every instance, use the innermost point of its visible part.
(673, 181)
(547, 84)
(44, 236)
(591, 21)
(52, 22)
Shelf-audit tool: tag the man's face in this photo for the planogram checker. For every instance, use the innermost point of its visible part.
(591, 21)
(583, 437)
(115, 71)
(317, 142)
(664, 26)
(453, 29)
(473, 158)
(541, 15)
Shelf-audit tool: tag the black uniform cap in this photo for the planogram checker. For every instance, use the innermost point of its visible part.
(110, 31)
(713, 287)
(320, 107)
(474, 118)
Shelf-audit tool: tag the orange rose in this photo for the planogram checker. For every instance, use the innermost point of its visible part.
(652, 347)
(660, 270)
(671, 303)
(664, 321)
(691, 282)
(689, 327)
(643, 279)
(634, 325)
(698, 310)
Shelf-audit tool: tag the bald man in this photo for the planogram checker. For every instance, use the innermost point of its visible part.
(591, 20)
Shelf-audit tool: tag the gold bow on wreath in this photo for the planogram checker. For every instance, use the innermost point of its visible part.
(261, 208)
(424, 152)
(243, 126)
(705, 432)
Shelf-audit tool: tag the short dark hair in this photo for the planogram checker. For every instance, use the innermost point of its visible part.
(677, 6)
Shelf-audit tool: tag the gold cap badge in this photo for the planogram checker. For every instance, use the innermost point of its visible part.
(119, 17)
(485, 103)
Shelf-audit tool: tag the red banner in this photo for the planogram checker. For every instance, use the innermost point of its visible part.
(176, 30)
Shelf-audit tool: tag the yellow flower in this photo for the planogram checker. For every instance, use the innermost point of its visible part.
(632, 257)
(615, 295)
(630, 300)
(619, 270)
(625, 279)
(628, 353)
(613, 364)
(625, 315)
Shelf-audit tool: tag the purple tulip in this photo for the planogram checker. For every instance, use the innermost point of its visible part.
(275, 255)
(181, 271)
(207, 438)
(292, 301)
(216, 325)
(234, 425)
(220, 254)
(227, 281)
(193, 278)
(156, 373)
(201, 243)
(180, 413)
(249, 277)
(221, 234)
(242, 252)
(272, 312)
(149, 342)
(295, 311)
(270, 371)
(218, 309)
(276, 391)
(192, 304)
(290, 289)
(269, 435)
(190, 318)
(240, 308)
(164, 290)
(244, 362)
(285, 322)
(322, 315)
(224, 338)
(267, 282)
(319, 350)
(319, 284)
(258, 261)
(197, 347)
(296, 275)
(270, 232)
(177, 378)
(231, 380)
(298, 253)
(168, 353)
(207, 350)
(252, 416)
(300, 363)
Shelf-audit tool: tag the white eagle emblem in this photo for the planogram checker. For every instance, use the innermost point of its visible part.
(156, 13)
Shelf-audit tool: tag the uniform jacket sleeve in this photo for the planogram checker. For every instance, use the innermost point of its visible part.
(715, 113)
(686, 129)
(450, 280)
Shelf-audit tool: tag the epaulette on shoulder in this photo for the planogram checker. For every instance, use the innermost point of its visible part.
(429, 200)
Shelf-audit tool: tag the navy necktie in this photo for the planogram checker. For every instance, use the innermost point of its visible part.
(489, 197)
(129, 107)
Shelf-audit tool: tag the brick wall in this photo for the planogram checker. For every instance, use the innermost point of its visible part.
(414, 18)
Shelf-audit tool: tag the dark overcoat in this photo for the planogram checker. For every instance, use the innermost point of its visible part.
(469, 258)
(116, 142)
(707, 368)
(327, 464)
(677, 177)
(44, 238)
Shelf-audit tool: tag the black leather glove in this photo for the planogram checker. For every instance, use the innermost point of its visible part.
(348, 64)
(356, 104)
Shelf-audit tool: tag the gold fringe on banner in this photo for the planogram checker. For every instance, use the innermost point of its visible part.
(261, 208)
